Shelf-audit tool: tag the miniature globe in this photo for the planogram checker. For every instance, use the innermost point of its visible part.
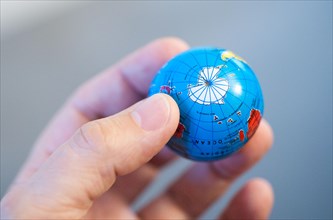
(219, 98)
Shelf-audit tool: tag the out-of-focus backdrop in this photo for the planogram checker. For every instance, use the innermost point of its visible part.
(48, 48)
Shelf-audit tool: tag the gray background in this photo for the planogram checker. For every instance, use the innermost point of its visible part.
(288, 44)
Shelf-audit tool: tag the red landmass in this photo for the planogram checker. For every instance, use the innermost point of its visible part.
(165, 89)
(179, 131)
(241, 135)
(253, 122)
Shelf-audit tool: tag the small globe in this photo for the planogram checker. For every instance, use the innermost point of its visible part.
(219, 98)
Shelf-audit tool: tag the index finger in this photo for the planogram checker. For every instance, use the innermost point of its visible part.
(107, 93)
(127, 81)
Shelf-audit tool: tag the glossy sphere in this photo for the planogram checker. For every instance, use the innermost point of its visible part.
(219, 98)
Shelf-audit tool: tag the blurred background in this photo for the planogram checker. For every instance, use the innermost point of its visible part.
(48, 48)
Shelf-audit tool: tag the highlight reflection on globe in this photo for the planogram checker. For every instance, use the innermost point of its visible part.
(219, 98)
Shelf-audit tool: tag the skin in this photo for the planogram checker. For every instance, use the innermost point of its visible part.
(107, 143)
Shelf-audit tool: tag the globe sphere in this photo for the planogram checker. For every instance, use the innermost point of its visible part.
(219, 98)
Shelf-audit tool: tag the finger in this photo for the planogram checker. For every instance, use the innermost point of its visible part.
(142, 176)
(126, 82)
(163, 157)
(110, 206)
(253, 201)
(164, 207)
(205, 182)
(87, 165)
(251, 153)
(113, 90)
(131, 185)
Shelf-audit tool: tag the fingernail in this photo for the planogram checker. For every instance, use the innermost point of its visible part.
(152, 113)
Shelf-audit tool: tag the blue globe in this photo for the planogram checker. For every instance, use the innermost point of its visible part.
(219, 98)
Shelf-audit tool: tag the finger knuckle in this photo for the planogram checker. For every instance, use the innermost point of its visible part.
(91, 136)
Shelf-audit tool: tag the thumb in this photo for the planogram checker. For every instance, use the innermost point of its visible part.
(87, 165)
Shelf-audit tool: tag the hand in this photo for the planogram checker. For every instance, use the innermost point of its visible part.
(88, 164)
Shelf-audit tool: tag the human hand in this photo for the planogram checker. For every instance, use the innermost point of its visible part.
(88, 164)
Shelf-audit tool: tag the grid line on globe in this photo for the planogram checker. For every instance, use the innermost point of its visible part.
(219, 98)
